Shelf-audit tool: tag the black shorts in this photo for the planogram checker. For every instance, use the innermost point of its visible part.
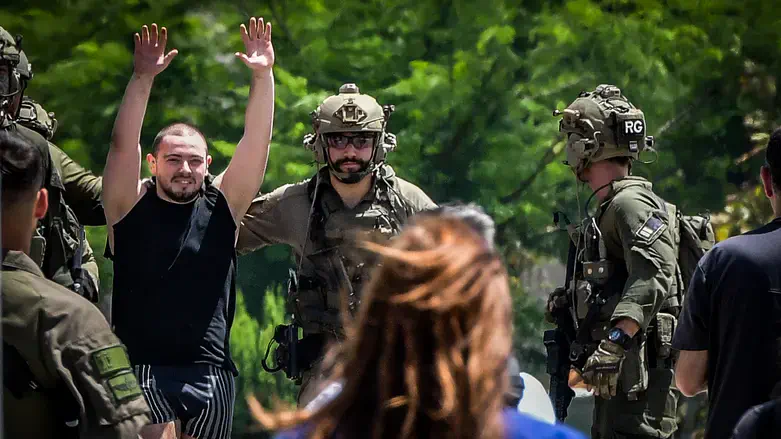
(201, 396)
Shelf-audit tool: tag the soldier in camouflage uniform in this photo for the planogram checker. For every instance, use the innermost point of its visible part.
(627, 255)
(355, 193)
(65, 373)
(59, 246)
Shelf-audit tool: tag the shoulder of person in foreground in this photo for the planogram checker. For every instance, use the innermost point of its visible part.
(535, 401)
(522, 426)
(759, 421)
(516, 426)
(92, 361)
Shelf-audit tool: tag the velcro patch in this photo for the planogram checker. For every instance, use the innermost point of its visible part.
(124, 386)
(651, 229)
(110, 360)
(630, 129)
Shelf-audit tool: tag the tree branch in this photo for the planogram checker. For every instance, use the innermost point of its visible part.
(280, 21)
(551, 153)
(456, 140)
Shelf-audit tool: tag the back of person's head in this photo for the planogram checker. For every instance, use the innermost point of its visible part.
(472, 214)
(21, 166)
(427, 353)
(773, 158)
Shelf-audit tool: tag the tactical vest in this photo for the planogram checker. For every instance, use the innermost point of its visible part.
(331, 262)
(605, 279)
(58, 244)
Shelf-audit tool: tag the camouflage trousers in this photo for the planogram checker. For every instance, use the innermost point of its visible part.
(651, 415)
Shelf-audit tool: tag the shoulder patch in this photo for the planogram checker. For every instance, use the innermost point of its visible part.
(110, 360)
(650, 230)
(124, 387)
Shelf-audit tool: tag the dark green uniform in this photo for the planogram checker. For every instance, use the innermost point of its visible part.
(83, 189)
(637, 236)
(283, 217)
(81, 371)
(59, 246)
(60, 237)
(625, 261)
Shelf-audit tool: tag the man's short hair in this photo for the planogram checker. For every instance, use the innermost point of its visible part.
(773, 157)
(177, 129)
(21, 166)
(621, 160)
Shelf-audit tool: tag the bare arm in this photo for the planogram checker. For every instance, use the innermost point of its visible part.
(691, 372)
(242, 178)
(121, 176)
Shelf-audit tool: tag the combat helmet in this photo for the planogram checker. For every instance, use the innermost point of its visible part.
(602, 124)
(33, 116)
(350, 111)
(19, 69)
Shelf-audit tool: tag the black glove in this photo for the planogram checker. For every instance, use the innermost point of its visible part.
(558, 299)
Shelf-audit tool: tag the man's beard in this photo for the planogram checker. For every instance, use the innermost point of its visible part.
(363, 165)
(182, 196)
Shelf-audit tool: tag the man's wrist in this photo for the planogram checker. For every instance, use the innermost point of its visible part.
(144, 78)
(262, 73)
(619, 337)
(627, 325)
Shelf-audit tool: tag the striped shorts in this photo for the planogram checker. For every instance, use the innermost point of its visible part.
(201, 396)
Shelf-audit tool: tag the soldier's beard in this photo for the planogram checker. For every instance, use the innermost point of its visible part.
(180, 196)
(352, 176)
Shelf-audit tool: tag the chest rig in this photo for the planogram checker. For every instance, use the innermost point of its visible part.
(598, 278)
(332, 264)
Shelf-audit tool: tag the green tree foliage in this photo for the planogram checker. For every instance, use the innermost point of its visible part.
(474, 84)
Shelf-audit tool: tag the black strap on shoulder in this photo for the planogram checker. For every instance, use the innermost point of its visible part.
(19, 379)
(17, 376)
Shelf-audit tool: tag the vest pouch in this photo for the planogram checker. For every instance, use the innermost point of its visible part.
(634, 372)
(60, 249)
(37, 248)
(665, 327)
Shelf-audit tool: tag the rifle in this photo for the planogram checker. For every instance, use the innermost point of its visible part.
(286, 336)
(570, 344)
(558, 342)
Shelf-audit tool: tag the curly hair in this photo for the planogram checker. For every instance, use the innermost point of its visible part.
(426, 355)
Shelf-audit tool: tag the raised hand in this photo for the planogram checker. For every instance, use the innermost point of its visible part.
(257, 42)
(149, 57)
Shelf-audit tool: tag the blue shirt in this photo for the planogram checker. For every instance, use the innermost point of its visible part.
(517, 426)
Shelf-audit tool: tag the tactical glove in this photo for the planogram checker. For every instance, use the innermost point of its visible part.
(556, 300)
(603, 368)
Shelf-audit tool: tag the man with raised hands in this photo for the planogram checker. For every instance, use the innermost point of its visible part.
(173, 240)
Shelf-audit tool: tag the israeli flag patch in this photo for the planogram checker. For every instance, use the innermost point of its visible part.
(650, 230)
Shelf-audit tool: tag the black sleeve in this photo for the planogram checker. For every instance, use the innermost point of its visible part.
(692, 331)
(757, 422)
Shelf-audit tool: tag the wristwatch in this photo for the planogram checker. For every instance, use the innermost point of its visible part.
(619, 337)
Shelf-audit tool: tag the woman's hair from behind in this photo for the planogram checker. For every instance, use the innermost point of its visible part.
(427, 353)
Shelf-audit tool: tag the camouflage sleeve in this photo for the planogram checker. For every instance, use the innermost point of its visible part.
(263, 224)
(642, 229)
(415, 197)
(90, 265)
(85, 353)
(83, 189)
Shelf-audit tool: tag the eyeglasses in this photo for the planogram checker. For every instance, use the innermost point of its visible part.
(358, 141)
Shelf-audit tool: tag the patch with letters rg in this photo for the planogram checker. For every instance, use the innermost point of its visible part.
(651, 229)
(630, 131)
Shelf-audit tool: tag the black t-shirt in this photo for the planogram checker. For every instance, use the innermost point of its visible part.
(174, 280)
(732, 309)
